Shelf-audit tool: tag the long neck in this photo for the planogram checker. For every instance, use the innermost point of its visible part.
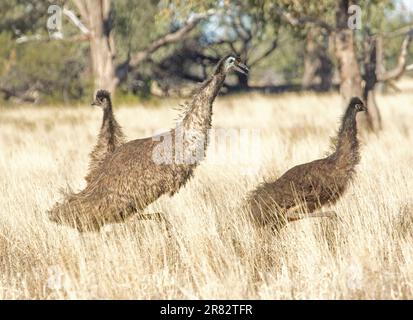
(109, 125)
(199, 112)
(347, 145)
(107, 113)
(191, 135)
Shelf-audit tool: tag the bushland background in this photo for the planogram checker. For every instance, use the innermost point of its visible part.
(305, 61)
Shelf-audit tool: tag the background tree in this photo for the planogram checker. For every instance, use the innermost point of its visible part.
(100, 18)
(356, 59)
(318, 65)
(152, 46)
(30, 69)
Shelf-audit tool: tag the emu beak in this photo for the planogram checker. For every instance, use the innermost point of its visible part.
(361, 107)
(93, 104)
(240, 67)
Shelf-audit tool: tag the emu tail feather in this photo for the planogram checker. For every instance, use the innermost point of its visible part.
(75, 212)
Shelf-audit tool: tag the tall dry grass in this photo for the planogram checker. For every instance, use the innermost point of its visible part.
(213, 251)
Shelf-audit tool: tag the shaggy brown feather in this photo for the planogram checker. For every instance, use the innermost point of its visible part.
(311, 185)
(131, 178)
(110, 135)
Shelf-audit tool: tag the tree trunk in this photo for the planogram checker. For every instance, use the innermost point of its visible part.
(317, 64)
(349, 70)
(242, 81)
(372, 118)
(345, 52)
(311, 63)
(96, 14)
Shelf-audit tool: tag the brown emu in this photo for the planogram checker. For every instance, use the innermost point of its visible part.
(140, 171)
(110, 135)
(307, 187)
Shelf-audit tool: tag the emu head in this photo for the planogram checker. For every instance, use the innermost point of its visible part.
(357, 104)
(231, 62)
(102, 99)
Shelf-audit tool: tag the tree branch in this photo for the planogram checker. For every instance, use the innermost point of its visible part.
(398, 32)
(168, 38)
(288, 17)
(54, 36)
(409, 67)
(81, 7)
(397, 71)
(72, 16)
(266, 53)
(59, 35)
(240, 29)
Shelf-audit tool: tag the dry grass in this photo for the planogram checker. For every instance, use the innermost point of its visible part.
(214, 252)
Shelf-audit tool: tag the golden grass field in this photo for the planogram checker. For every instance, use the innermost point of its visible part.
(213, 251)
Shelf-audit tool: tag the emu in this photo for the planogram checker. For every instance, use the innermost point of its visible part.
(308, 187)
(110, 135)
(140, 171)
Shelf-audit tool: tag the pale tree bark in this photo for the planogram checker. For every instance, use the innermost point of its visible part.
(311, 63)
(352, 81)
(96, 15)
(371, 67)
(345, 52)
(317, 72)
(375, 73)
(344, 46)
(401, 66)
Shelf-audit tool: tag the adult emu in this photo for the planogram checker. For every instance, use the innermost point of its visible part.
(140, 171)
(303, 189)
(110, 135)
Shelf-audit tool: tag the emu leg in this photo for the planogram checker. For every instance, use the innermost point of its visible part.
(159, 217)
(294, 216)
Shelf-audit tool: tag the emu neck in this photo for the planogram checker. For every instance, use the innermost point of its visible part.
(109, 122)
(191, 135)
(347, 146)
(199, 113)
(107, 111)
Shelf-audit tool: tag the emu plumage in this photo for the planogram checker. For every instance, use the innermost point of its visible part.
(140, 171)
(307, 187)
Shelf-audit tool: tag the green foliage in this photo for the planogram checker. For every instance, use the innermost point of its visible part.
(287, 60)
(125, 97)
(60, 70)
(134, 25)
(52, 68)
(22, 17)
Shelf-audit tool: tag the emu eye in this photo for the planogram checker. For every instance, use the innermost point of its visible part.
(231, 60)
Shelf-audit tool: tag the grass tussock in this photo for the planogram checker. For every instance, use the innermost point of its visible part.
(213, 251)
